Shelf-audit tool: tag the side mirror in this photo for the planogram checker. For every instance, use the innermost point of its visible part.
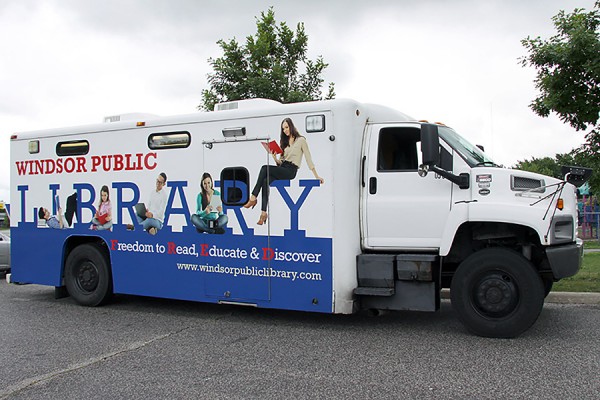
(430, 144)
(576, 175)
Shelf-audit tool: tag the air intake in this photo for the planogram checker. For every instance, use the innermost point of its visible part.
(521, 184)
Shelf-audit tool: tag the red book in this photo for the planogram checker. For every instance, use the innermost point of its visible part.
(102, 218)
(272, 147)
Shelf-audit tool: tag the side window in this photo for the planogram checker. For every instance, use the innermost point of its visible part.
(169, 140)
(398, 149)
(73, 148)
(235, 183)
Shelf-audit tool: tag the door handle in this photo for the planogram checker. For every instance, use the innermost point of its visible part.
(372, 185)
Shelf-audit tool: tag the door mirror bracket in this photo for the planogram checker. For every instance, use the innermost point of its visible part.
(462, 180)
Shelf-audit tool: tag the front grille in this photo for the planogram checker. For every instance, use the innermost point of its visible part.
(520, 184)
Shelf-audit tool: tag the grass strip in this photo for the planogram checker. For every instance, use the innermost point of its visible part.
(586, 280)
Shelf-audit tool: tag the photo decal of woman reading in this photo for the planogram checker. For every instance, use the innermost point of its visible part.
(294, 146)
(103, 217)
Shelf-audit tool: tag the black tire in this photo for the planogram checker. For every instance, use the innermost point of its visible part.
(88, 276)
(497, 293)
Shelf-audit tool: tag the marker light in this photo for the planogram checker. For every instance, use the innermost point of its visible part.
(315, 123)
(560, 204)
(34, 146)
(141, 123)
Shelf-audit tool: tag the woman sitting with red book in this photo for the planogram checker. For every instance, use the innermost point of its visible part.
(294, 146)
(103, 218)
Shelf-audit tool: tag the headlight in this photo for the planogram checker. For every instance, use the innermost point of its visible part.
(561, 229)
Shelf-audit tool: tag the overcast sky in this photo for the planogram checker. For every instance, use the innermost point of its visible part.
(72, 62)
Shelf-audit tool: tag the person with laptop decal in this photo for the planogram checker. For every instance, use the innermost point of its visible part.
(152, 215)
(57, 221)
(209, 215)
(52, 221)
(293, 148)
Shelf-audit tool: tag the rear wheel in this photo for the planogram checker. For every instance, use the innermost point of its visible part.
(497, 293)
(87, 275)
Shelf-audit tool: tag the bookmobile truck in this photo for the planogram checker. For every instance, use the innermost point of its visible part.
(405, 209)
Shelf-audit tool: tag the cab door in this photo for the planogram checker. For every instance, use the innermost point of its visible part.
(400, 208)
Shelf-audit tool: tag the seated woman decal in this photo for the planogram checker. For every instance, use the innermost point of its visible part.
(103, 217)
(209, 215)
(294, 146)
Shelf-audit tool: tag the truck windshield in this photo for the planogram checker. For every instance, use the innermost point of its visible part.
(473, 155)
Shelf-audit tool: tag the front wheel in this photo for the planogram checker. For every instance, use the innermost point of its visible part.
(87, 275)
(497, 293)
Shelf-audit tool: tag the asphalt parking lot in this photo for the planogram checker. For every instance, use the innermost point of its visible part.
(139, 347)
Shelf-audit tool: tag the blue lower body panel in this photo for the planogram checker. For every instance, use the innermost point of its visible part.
(281, 272)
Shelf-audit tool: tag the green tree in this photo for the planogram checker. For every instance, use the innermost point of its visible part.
(272, 64)
(546, 166)
(568, 72)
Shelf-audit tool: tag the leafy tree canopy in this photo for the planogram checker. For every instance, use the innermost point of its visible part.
(545, 166)
(568, 71)
(568, 78)
(272, 64)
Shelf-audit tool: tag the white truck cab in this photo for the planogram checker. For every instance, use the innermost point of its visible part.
(502, 236)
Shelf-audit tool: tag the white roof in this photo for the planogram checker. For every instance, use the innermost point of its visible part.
(246, 109)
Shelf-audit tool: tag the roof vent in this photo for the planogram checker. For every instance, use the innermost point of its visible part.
(129, 117)
(230, 105)
(248, 104)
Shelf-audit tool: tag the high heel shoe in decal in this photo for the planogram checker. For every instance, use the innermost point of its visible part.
(262, 219)
(250, 204)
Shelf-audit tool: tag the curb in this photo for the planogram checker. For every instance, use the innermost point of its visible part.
(557, 297)
(573, 298)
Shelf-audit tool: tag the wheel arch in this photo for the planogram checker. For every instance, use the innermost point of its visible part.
(471, 237)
